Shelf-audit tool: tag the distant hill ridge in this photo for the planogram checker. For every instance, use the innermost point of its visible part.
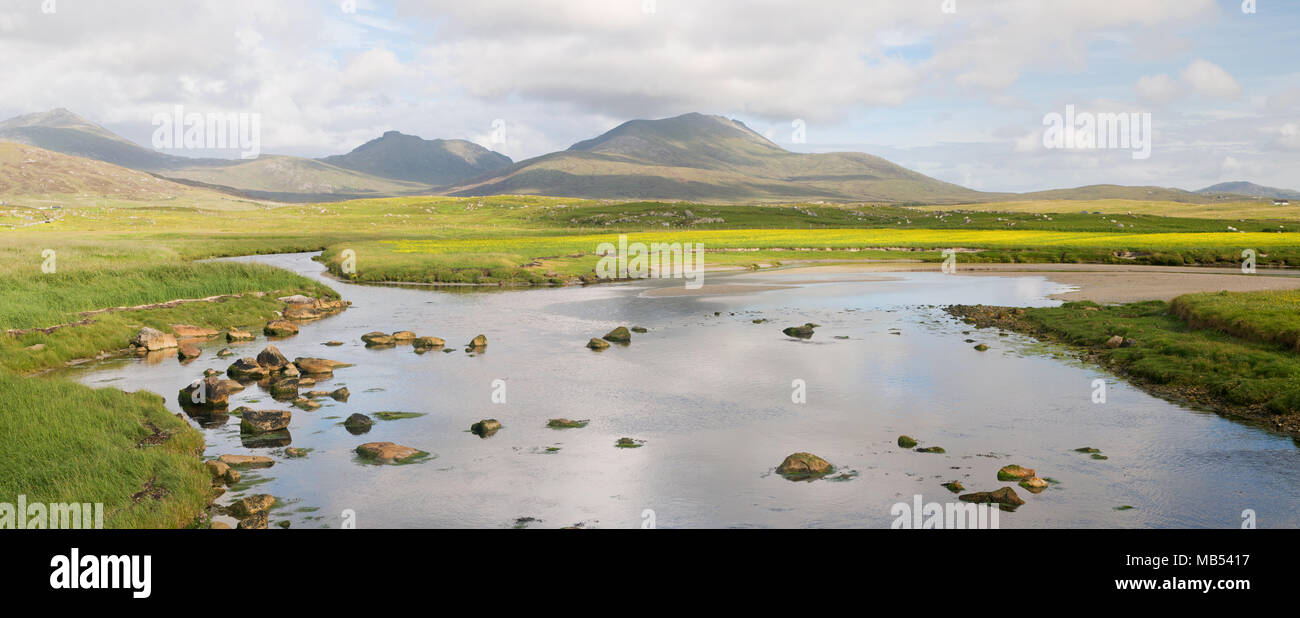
(689, 157)
(1249, 188)
(415, 159)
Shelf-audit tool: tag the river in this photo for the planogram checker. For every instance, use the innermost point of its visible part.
(710, 394)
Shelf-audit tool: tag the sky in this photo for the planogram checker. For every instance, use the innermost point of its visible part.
(956, 89)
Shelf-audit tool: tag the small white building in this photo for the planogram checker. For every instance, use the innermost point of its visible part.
(1281, 202)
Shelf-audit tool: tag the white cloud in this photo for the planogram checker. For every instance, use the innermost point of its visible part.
(1210, 79)
(865, 72)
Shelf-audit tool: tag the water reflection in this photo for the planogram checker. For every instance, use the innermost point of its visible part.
(706, 392)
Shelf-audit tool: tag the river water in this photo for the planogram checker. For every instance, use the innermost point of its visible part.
(710, 394)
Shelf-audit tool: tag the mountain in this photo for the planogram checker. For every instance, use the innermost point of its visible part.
(31, 175)
(692, 157)
(699, 157)
(294, 179)
(62, 131)
(394, 164)
(1125, 192)
(414, 159)
(1249, 188)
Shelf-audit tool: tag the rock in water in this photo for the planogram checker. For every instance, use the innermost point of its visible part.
(428, 343)
(209, 393)
(303, 403)
(256, 521)
(272, 359)
(264, 421)
(403, 336)
(618, 335)
(284, 390)
(564, 423)
(377, 338)
(318, 366)
(478, 342)
(485, 428)
(247, 369)
(235, 334)
(1014, 473)
(152, 339)
(1005, 496)
(907, 441)
(252, 505)
(801, 466)
(598, 344)
(358, 424)
(222, 472)
(1034, 484)
(280, 328)
(218, 469)
(247, 461)
(387, 452)
(800, 332)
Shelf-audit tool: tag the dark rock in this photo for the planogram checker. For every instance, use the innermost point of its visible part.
(1005, 496)
(485, 428)
(358, 424)
(264, 421)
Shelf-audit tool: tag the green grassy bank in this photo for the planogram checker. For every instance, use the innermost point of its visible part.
(66, 442)
(1254, 375)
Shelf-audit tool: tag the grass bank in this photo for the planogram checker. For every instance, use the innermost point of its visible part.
(1237, 376)
(65, 442)
(1268, 317)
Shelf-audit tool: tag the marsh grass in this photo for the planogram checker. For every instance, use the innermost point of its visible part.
(1172, 353)
(1269, 317)
(64, 442)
